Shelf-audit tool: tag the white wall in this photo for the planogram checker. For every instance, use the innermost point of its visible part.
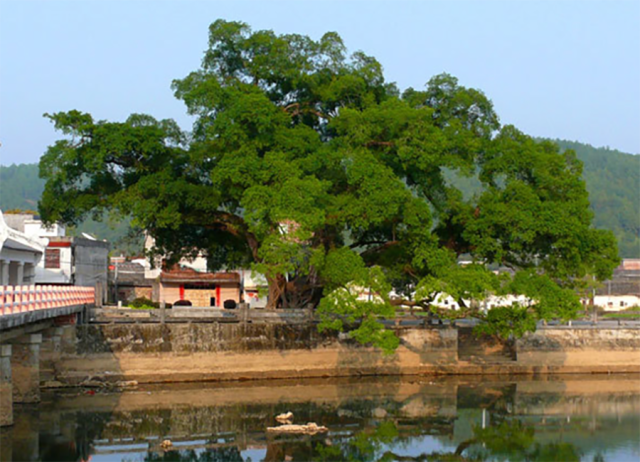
(34, 228)
(62, 275)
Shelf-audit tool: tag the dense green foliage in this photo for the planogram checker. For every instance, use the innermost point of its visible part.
(612, 178)
(307, 165)
(613, 183)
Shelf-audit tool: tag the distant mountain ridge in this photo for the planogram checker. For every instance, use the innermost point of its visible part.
(612, 178)
(21, 188)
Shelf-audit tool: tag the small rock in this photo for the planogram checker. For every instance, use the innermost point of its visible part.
(127, 383)
(92, 384)
(285, 418)
(310, 429)
(52, 384)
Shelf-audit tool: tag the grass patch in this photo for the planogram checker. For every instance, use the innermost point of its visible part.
(629, 313)
(142, 307)
(635, 315)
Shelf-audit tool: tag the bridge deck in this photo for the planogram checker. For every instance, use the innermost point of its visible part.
(23, 306)
(11, 321)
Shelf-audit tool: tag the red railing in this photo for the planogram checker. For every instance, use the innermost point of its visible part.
(19, 299)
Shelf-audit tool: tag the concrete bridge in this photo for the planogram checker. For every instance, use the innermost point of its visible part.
(32, 320)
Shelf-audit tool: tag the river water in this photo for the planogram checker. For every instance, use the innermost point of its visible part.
(592, 418)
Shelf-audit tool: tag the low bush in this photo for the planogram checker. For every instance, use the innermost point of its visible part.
(143, 303)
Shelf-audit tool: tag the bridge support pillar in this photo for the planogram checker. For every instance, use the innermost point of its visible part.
(25, 365)
(20, 274)
(6, 388)
(4, 266)
(50, 353)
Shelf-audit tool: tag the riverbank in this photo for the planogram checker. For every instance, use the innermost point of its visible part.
(96, 355)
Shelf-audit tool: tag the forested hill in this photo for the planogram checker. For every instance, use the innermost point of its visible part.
(613, 181)
(21, 188)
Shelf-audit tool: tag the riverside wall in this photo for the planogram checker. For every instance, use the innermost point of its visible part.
(601, 350)
(181, 352)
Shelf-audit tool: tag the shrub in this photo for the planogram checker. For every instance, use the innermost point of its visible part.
(143, 302)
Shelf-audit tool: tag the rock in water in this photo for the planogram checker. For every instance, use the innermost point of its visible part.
(310, 429)
(285, 418)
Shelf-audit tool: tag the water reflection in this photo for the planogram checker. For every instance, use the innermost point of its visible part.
(577, 418)
(507, 441)
(230, 454)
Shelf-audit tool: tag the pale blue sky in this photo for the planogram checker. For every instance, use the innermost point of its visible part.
(562, 69)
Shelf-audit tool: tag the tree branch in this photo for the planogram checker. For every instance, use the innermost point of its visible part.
(233, 224)
(379, 249)
(379, 143)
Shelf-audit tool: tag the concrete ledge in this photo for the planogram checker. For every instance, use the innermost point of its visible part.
(194, 313)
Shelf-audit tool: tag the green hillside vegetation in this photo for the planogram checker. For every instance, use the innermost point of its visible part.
(613, 182)
(20, 187)
(612, 177)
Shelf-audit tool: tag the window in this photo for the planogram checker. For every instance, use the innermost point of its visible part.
(621, 303)
(52, 258)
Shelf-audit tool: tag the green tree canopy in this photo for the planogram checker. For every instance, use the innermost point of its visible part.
(305, 163)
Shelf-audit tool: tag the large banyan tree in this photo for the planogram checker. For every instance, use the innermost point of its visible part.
(306, 165)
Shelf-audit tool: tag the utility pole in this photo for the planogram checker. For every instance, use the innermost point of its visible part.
(115, 284)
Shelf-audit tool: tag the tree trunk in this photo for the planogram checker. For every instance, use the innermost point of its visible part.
(277, 287)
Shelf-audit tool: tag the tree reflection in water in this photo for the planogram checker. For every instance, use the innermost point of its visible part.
(228, 454)
(508, 440)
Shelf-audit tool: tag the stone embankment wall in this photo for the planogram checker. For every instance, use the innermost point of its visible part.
(219, 351)
(603, 350)
(173, 352)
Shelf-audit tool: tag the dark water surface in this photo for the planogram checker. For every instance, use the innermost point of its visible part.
(592, 418)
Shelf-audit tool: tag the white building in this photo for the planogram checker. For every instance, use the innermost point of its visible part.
(197, 264)
(19, 256)
(494, 301)
(254, 287)
(56, 267)
(80, 261)
(616, 302)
